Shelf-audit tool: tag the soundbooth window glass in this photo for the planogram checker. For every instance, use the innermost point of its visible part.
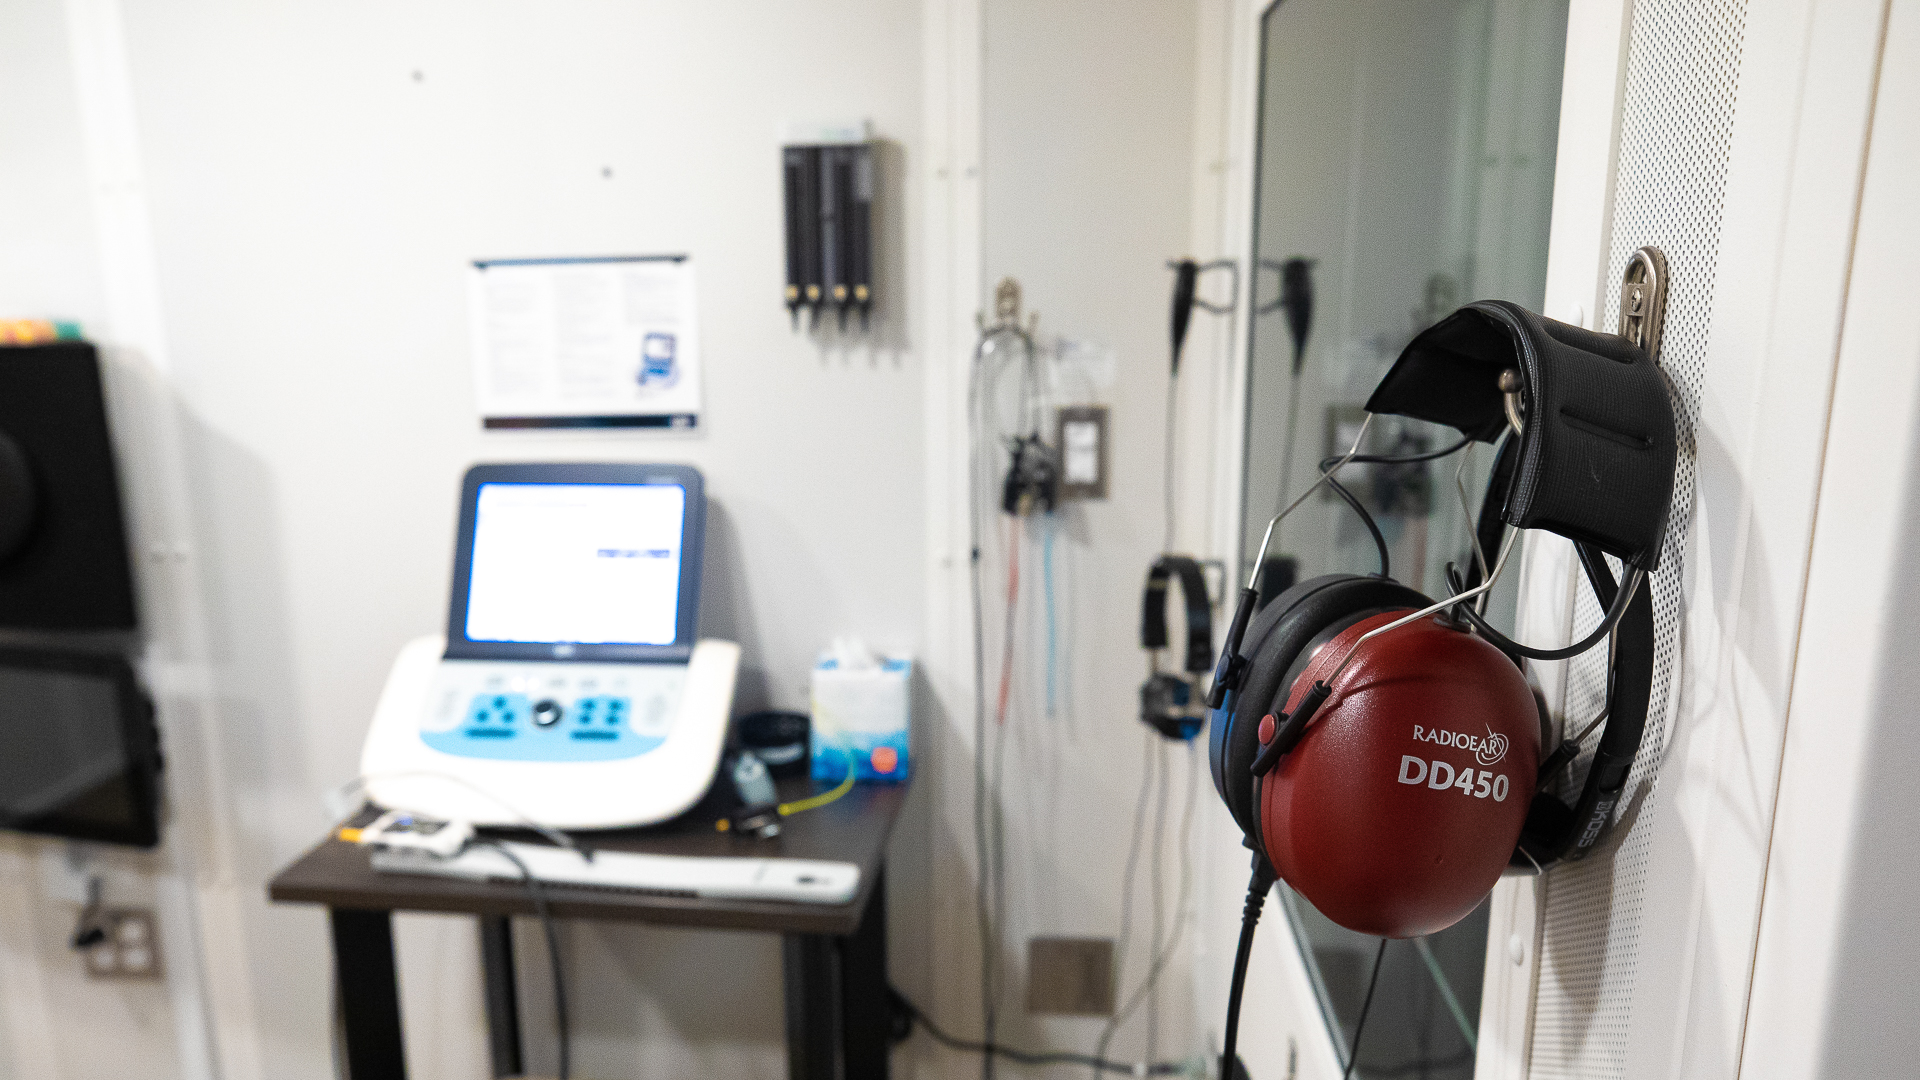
(585, 563)
(1405, 167)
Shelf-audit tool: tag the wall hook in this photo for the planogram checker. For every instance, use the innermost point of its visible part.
(1643, 300)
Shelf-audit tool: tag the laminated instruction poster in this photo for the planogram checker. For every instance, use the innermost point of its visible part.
(595, 342)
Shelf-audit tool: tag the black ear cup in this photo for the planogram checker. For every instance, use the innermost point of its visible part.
(1277, 643)
(1169, 706)
(1548, 822)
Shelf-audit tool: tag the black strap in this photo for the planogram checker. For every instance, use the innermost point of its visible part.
(1629, 698)
(1153, 610)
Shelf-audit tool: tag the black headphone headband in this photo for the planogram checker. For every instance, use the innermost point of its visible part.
(1552, 832)
(1596, 459)
(1153, 610)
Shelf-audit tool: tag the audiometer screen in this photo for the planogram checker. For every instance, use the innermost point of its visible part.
(586, 563)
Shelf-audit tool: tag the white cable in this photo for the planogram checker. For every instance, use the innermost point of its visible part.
(336, 802)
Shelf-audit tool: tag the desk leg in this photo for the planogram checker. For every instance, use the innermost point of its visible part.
(865, 1021)
(503, 1006)
(369, 994)
(813, 1020)
(838, 1013)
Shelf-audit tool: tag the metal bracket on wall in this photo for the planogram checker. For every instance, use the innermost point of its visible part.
(1643, 300)
(1006, 315)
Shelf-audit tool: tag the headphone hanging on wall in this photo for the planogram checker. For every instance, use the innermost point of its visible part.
(1170, 701)
(1382, 752)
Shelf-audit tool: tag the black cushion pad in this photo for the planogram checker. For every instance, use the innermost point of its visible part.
(1275, 639)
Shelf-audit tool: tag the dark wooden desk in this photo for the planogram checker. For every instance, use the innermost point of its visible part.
(835, 960)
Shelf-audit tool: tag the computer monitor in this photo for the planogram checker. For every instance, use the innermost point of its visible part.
(582, 562)
(81, 755)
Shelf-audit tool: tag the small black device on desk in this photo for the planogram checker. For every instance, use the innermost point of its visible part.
(781, 740)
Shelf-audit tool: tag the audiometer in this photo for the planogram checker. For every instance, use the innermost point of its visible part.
(570, 688)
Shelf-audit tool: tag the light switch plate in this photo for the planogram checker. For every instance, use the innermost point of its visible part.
(131, 949)
(1080, 436)
(1070, 976)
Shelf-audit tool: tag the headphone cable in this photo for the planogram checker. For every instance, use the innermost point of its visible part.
(1366, 518)
(982, 886)
(1373, 527)
(1160, 951)
(1126, 885)
(1366, 1005)
(1258, 886)
(1173, 405)
(1617, 611)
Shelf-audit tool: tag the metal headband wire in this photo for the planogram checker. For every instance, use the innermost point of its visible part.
(1260, 560)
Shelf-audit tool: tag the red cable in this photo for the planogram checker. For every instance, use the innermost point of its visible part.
(1013, 597)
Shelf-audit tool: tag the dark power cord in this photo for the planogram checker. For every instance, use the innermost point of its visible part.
(1028, 1057)
(539, 897)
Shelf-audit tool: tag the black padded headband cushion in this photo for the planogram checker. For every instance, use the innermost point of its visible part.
(1193, 592)
(1274, 639)
(1597, 458)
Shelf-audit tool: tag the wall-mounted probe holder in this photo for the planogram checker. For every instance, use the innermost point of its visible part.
(1597, 443)
(829, 191)
(1186, 297)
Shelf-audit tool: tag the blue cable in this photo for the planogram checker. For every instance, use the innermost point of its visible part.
(1053, 636)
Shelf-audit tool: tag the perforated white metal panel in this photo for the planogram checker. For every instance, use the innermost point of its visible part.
(1677, 124)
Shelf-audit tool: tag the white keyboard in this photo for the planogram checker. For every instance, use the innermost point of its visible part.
(800, 881)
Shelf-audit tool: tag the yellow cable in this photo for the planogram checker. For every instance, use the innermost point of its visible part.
(811, 802)
(815, 801)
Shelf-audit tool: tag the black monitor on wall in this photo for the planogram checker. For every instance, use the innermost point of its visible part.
(82, 757)
(79, 753)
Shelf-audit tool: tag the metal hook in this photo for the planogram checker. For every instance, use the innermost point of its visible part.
(1217, 264)
(1006, 315)
(1643, 299)
(1510, 398)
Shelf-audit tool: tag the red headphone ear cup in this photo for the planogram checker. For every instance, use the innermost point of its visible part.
(1403, 801)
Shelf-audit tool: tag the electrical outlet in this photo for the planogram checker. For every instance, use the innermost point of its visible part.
(131, 949)
(1070, 976)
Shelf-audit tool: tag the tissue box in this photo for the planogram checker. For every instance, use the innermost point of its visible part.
(860, 714)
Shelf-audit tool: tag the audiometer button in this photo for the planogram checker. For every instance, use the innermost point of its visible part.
(546, 713)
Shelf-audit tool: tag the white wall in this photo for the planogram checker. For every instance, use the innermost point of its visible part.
(47, 265)
(317, 177)
(1089, 132)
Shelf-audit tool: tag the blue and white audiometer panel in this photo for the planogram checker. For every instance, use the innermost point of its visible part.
(570, 688)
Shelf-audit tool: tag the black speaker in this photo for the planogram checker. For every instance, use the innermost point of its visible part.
(63, 540)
